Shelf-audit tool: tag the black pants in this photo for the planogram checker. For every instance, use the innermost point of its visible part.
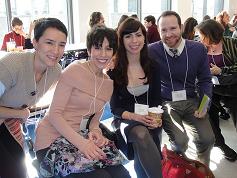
(214, 119)
(231, 104)
(109, 172)
(12, 157)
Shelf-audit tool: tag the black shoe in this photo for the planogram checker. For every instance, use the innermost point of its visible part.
(224, 116)
(228, 152)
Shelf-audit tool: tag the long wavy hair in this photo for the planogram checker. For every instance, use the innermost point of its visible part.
(130, 25)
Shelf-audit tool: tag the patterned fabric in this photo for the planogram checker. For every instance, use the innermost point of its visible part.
(230, 54)
(63, 158)
(14, 127)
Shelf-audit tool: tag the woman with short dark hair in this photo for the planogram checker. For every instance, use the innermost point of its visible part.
(24, 79)
(222, 56)
(62, 148)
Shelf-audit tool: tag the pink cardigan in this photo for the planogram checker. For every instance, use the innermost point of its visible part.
(72, 99)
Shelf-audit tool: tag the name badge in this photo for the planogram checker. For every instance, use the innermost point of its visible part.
(141, 109)
(179, 95)
(215, 80)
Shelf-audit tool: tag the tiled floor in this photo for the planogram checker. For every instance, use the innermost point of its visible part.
(219, 165)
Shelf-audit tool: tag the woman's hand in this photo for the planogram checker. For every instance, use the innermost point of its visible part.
(97, 138)
(91, 150)
(199, 115)
(146, 120)
(24, 114)
(154, 123)
(215, 70)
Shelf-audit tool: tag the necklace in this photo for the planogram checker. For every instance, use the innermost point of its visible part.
(36, 94)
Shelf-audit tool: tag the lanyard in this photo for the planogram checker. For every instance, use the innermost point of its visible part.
(212, 56)
(186, 73)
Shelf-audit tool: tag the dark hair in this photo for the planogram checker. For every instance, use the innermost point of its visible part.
(170, 13)
(134, 16)
(211, 30)
(96, 35)
(16, 21)
(206, 17)
(189, 28)
(94, 18)
(43, 24)
(130, 25)
(122, 18)
(150, 18)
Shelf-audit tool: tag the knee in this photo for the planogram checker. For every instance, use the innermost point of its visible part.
(180, 143)
(206, 141)
(140, 135)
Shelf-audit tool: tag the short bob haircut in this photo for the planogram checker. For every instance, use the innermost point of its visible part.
(130, 25)
(16, 21)
(96, 35)
(212, 30)
(43, 24)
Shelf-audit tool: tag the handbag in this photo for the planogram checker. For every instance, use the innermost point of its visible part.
(179, 166)
(228, 85)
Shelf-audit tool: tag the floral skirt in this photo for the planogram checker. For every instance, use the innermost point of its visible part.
(63, 158)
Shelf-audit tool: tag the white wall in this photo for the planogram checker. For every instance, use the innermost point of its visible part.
(183, 8)
(231, 6)
(82, 10)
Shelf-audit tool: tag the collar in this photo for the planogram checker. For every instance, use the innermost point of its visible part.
(180, 48)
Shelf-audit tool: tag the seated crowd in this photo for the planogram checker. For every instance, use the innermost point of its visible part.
(134, 67)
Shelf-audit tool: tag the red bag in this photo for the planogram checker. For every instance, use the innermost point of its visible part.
(178, 166)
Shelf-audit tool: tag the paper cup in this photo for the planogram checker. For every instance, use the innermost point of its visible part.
(11, 46)
(156, 113)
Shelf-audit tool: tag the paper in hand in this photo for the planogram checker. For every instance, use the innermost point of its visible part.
(204, 104)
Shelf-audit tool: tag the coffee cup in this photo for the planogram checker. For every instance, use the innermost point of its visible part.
(156, 112)
(11, 45)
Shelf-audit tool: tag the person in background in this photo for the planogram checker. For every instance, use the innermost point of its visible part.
(96, 18)
(134, 16)
(136, 82)
(206, 17)
(152, 31)
(224, 19)
(122, 18)
(24, 79)
(81, 93)
(183, 73)
(222, 56)
(17, 35)
(189, 28)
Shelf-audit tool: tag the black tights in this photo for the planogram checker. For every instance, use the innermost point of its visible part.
(147, 159)
(12, 156)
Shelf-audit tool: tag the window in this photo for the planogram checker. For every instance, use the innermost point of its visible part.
(29, 10)
(206, 7)
(3, 21)
(154, 7)
(197, 7)
(119, 7)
